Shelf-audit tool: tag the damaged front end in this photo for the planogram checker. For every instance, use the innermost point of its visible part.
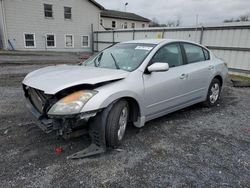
(67, 121)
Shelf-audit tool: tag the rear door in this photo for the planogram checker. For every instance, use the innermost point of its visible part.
(199, 69)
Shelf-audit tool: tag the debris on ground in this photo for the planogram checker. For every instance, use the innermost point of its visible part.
(59, 150)
(6, 132)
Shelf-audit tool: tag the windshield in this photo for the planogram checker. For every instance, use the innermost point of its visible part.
(125, 56)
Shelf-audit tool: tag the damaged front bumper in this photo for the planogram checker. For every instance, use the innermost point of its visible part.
(62, 124)
(67, 125)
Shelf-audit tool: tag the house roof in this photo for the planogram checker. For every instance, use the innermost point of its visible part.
(97, 4)
(123, 15)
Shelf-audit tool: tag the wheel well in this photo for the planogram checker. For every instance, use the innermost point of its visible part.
(220, 79)
(134, 109)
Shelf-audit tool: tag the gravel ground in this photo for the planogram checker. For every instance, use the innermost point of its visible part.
(194, 147)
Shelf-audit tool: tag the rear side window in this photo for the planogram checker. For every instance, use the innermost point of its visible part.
(170, 54)
(194, 53)
(206, 53)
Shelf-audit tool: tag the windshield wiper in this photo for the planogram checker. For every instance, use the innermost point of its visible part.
(97, 64)
(116, 64)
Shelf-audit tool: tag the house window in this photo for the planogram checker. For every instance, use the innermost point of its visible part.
(143, 25)
(50, 41)
(113, 24)
(125, 25)
(29, 40)
(67, 13)
(133, 25)
(101, 22)
(85, 41)
(69, 42)
(48, 11)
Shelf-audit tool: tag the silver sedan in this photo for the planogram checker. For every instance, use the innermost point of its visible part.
(134, 81)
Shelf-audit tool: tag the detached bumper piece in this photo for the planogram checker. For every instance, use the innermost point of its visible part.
(98, 141)
(97, 134)
(93, 149)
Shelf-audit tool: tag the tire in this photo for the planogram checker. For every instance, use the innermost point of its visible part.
(117, 121)
(213, 94)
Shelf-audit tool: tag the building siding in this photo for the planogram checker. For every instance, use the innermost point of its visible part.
(1, 27)
(107, 23)
(29, 18)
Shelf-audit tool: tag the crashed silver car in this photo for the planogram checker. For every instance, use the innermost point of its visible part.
(134, 81)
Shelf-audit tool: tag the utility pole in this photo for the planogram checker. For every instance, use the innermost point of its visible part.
(197, 22)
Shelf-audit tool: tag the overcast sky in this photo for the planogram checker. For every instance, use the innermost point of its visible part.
(209, 11)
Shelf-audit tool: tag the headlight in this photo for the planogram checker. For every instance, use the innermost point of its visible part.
(72, 104)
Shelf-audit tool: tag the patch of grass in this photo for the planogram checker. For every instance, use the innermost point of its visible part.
(238, 77)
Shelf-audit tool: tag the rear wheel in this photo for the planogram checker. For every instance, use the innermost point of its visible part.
(117, 121)
(214, 92)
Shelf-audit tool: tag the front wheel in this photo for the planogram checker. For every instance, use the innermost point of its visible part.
(214, 92)
(117, 121)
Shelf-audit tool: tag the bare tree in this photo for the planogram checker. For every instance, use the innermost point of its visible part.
(169, 23)
(154, 23)
(243, 18)
(228, 20)
(178, 21)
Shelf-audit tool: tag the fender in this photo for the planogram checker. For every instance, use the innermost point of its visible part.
(101, 102)
(119, 95)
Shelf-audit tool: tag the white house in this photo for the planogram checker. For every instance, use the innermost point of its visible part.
(112, 19)
(54, 25)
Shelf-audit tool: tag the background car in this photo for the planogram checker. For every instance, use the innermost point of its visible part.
(135, 81)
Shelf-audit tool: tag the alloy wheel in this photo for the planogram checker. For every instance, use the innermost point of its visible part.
(123, 120)
(215, 92)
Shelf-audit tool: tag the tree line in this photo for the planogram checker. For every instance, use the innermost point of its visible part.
(178, 22)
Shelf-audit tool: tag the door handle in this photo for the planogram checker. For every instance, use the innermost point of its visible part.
(211, 67)
(183, 76)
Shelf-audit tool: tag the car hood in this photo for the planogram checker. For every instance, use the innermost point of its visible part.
(56, 78)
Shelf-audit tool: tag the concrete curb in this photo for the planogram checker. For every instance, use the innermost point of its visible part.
(241, 83)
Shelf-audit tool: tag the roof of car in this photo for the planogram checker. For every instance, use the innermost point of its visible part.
(152, 41)
(158, 41)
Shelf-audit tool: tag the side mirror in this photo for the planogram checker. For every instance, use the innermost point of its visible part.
(158, 67)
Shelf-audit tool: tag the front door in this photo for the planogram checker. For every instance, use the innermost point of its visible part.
(165, 91)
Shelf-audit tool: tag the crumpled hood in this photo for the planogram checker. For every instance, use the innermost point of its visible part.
(56, 78)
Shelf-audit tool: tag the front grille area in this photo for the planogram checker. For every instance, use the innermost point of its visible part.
(37, 98)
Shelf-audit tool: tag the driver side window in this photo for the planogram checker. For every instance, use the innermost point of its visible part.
(171, 54)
